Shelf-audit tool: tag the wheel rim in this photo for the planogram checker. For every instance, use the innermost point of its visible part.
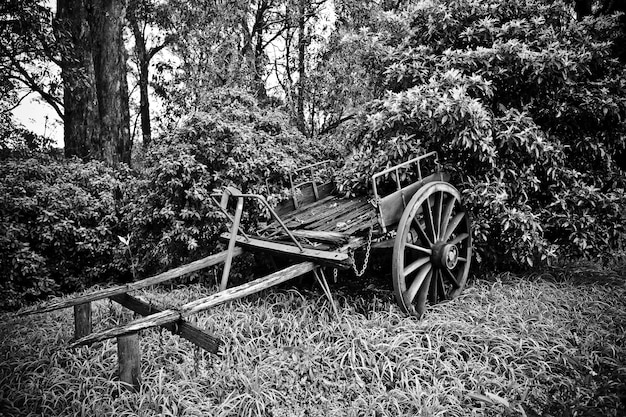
(433, 248)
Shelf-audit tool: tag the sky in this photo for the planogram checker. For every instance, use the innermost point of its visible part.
(39, 118)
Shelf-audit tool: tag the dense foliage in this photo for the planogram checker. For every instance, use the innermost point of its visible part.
(525, 106)
(229, 141)
(58, 223)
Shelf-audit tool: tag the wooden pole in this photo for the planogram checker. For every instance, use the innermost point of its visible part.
(121, 289)
(231, 244)
(129, 360)
(82, 320)
(169, 316)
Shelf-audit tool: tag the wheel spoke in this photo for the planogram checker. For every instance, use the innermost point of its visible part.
(419, 248)
(433, 290)
(429, 225)
(437, 214)
(442, 288)
(415, 266)
(409, 294)
(459, 238)
(456, 220)
(421, 233)
(451, 278)
(447, 213)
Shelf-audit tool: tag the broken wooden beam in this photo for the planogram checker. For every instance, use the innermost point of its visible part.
(132, 286)
(171, 316)
(321, 236)
(194, 334)
(334, 259)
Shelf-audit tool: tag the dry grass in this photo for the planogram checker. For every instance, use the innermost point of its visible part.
(508, 346)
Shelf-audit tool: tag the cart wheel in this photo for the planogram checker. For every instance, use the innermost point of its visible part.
(433, 248)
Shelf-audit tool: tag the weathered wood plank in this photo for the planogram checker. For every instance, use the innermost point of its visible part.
(334, 259)
(343, 217)
(320, 236)
(121, 289)
(334, 209)
(186, 330)
(170, 316)
(392, 206)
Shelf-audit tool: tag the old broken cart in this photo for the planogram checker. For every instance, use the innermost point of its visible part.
(423, 221)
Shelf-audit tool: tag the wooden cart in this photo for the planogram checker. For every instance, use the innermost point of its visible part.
(422, 222)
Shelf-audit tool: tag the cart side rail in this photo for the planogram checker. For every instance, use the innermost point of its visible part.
(307, 185)
(391, 206)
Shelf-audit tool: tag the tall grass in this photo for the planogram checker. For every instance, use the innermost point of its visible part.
(508, 346)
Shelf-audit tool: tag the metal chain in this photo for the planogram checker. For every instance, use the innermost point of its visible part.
(335, 271)
(367, 256)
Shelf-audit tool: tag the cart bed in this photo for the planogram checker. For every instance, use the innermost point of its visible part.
(332, 219)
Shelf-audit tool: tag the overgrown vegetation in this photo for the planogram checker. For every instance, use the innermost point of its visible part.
(526, 108)
(549, 345)
(58, 225)
(61, 220)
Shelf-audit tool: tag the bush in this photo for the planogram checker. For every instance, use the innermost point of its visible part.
(525, 107)
(58, 226)
(230, 141)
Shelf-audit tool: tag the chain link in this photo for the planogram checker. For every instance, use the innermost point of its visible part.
(367, 256)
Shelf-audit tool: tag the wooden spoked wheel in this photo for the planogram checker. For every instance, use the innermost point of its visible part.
(433, 248)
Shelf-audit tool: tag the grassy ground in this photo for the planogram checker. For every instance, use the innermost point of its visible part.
(529, 346)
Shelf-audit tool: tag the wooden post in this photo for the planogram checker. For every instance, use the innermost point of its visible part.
(231, 243)
(129, 359)
(82, 320)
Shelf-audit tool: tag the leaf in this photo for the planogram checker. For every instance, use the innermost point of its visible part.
(124, 240)
(498, 400)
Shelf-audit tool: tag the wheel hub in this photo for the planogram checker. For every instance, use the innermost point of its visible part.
(445, 256)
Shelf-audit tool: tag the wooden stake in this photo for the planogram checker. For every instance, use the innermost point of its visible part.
(129, 359)
(82, 320)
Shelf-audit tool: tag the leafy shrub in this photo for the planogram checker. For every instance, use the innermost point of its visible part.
(525, 107)
(230, 141)
(57, 227)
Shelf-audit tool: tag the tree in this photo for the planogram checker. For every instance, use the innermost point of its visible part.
(106, 21)
(84, 44)
(28, 56)
(143, 15)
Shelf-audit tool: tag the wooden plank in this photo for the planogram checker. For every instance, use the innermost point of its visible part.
(347, 217)
(320, 236)
(391, 207)
(334, 259)
(327, 214)
(171, 316)
(186, 330)
(129, 360)
(363, 222)
(121, 289)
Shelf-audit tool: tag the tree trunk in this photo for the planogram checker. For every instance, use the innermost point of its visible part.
(300, 121)
(81, 124)
(259, 54)
(143, 63)
(106, 18)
